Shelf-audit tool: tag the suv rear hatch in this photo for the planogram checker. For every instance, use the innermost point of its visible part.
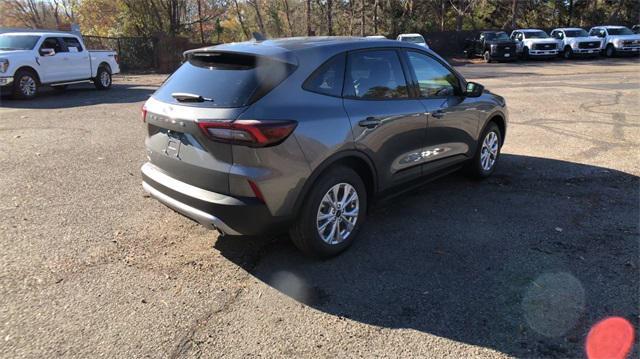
(214, 86)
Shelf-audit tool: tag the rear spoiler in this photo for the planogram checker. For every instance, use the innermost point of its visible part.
(248, 48)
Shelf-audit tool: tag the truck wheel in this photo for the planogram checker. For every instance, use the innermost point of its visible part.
(568, 53)
(469, 53)
(487, 153)
(103, 79)
(610, 51)
(332, 214)
(525, 53)
(487, 57)
(25, 85)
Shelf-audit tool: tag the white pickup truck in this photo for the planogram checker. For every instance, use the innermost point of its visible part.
(31, 59)
(617, 40)
(535, 43)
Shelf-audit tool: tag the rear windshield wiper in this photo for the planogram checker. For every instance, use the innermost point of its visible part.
(189, 97)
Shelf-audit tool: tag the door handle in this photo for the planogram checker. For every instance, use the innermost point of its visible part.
(438, 114)
(369, 122)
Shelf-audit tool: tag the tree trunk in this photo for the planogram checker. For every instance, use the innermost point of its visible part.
(256, 7)
(362, 19)
(329, 15)
(287, 13)
(240, 20)
(570, 14)
(352, 13)
(200, 21)
(443, 13)
(514, 14)
(375, 17)
(309, 18)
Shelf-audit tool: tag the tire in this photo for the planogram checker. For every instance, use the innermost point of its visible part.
(525, 53)
(25, 85)
(476, 168)
(567, 53)
(487, 57)
(103, 80)
(610, 51)
(469, 54)
(305, 233)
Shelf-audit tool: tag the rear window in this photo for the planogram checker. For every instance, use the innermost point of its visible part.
(328, 78)
(227, 79)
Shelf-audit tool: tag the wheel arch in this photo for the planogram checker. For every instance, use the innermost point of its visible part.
(357, 160)
(30, 69)
(499, 120)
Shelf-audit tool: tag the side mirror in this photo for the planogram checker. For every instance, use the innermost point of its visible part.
(474, 89)
(47, 52)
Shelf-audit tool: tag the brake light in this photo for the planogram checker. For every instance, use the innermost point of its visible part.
(252, 133)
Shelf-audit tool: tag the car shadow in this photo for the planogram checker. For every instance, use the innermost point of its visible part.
(80, 95)
(525, 262)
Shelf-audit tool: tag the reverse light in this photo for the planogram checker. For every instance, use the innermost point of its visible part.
(252, 133)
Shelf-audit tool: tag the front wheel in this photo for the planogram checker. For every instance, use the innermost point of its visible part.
(484, 162)
(610, 51)
(487, 57)
(25, 85)
(568, 53)
(103, 79)
(525, 53)
(332, 214)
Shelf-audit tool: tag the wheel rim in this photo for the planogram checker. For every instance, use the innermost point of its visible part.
(567, 54)
(489, 151)
(27, 85)
(609, 51)
(105, 79)
(338, 213)
(487, 57)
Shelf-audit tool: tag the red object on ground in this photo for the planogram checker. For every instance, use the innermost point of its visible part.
(610, 338)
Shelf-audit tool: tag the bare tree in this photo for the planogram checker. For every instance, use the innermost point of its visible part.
(462, 8)
(241, 19)
(309, 31)
(287, 14)
(362, 17)
(329, 19)
(256, 6)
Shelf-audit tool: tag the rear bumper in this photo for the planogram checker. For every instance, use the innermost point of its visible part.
(227, 214)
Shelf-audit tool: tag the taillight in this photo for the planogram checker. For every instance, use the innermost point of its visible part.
(144, 113)
(252, 133)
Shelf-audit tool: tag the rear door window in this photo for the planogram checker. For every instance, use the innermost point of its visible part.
(227, 80)
(375, 74)
(73, 44)
(328, 78)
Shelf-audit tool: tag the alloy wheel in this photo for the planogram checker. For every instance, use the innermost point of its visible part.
(105, 79)
(338, 213)
(27, 86)
(489, 151)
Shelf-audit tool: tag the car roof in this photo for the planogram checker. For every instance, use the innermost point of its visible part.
(407, 35)
(492, 32)
(567, 28)
(38, 33)
(285, 48)
(528, 30)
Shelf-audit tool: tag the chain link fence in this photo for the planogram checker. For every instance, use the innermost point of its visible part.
(134, 53)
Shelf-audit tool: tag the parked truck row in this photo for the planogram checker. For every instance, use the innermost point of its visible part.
(565, 42)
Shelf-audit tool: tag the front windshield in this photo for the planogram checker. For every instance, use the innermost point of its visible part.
(496, 36)
(18, 42)
(413, 39)
(619, 31)
(576, 33)
(535, 35)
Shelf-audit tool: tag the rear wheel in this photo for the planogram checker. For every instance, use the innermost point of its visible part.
(25, 85)
(488, 151)
(332, 214)
(610, 51)
(103, 79)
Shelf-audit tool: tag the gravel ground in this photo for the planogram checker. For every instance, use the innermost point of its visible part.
(521, 264)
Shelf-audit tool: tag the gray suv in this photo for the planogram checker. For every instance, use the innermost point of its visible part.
(302, 134)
